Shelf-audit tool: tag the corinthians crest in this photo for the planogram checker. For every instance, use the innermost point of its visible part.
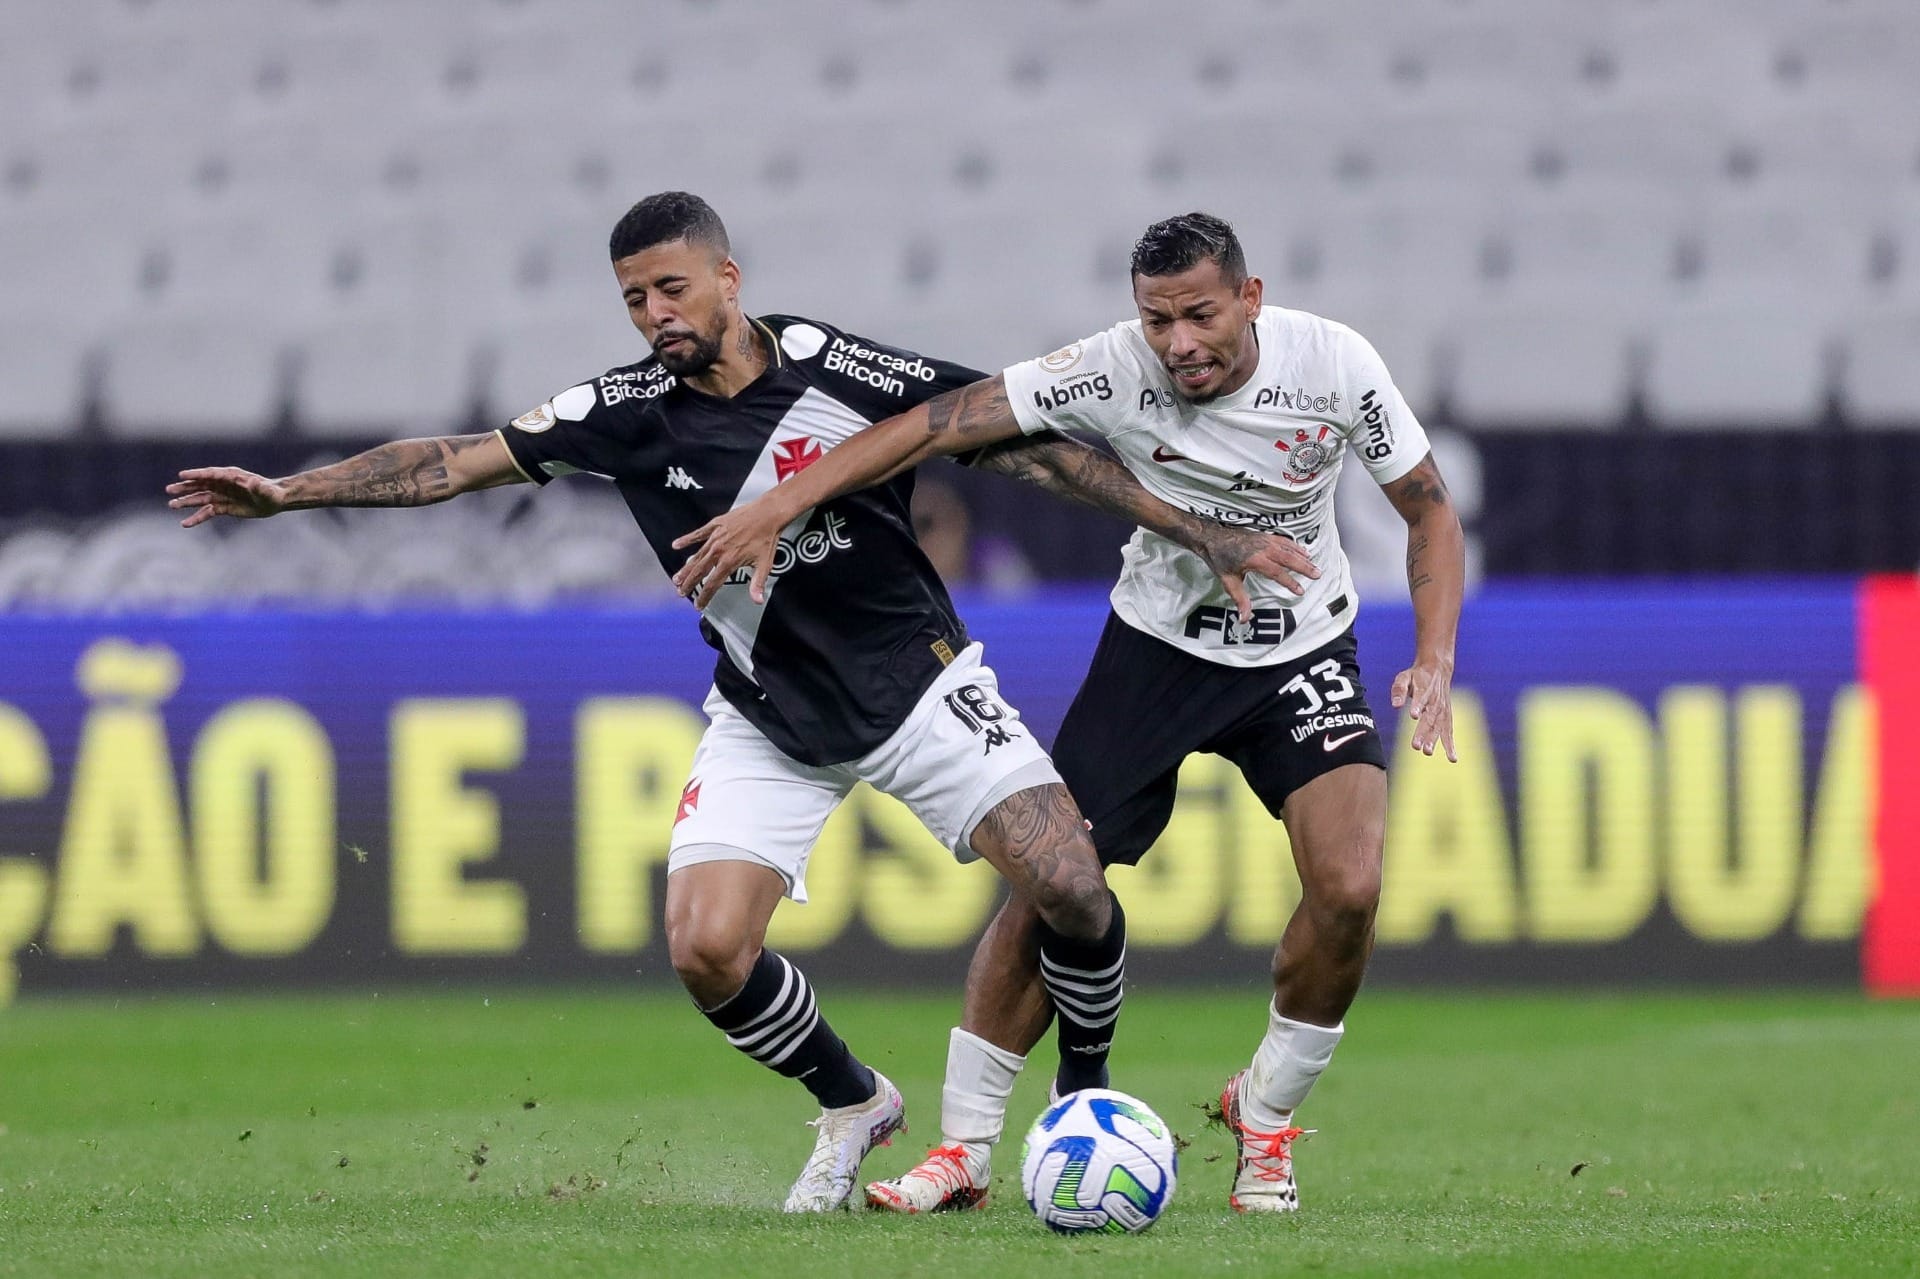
(1306, 455)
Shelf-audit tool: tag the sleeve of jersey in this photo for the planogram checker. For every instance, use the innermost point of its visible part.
(1077, 388)
(1383, 430)
(876, 381)
(561, 437)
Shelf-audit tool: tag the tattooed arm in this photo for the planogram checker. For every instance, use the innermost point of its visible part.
(961, 421)
(1436, 576)
(957, 421)
(404, 473)
(1077, 471)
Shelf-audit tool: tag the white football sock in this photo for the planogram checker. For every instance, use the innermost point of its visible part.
(1289, 1059)
(973, 1106)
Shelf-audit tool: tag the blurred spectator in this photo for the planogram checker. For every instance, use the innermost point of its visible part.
(945, 529)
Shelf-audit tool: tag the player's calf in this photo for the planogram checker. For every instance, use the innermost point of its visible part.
(1038, 839)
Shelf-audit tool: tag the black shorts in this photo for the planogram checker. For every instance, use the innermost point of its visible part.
(1146, 705)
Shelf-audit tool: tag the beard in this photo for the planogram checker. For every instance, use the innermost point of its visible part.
(696, 355)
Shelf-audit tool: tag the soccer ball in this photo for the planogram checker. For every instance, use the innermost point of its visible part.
(1098, 1160)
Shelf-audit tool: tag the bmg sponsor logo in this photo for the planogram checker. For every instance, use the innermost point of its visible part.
(1086, 386)
(1298, 400)
(1377, 425)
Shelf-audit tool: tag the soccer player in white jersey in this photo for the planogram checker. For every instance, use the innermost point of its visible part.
(1243, 413)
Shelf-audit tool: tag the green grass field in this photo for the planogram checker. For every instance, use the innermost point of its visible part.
(526, 1131)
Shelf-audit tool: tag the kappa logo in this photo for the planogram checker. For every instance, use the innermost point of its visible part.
(1306, 454)
(677, 478)
(790, 457)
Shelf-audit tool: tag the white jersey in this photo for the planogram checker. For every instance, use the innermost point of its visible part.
(1265, 457)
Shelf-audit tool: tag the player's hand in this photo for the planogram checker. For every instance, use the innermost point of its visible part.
(1232, 553)
(1426, 690)
(225, 490)
(728, 543)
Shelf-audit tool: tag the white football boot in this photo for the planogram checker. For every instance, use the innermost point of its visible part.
(847, 1135)
(950, 1179)
(1263, 1177)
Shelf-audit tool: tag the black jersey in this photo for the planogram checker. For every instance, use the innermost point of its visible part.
(856, 623)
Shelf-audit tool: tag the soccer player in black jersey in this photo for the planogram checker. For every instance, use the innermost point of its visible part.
(849, 664)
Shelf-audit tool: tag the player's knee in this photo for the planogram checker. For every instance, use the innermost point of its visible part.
(1346, 900)
(1076, 903)
(713, 963)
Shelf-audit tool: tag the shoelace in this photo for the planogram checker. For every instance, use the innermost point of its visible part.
(1270, 1154)
(826, 1147)
(946, 1167)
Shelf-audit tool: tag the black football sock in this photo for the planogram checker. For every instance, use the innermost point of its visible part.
(1084, 979)
(774, 1020)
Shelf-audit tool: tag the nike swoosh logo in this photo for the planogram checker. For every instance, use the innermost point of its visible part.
(1160, 454)
(1332, 744)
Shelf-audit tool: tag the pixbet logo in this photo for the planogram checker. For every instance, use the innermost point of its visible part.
(810, 547)
(1087, 386)
(1298, 400)
(1154, 397)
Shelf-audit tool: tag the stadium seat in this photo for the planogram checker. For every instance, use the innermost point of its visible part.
(43, 368)
(380, 372)
(1883, 370)
(76, 275)
(193, 374)
(1518, 367)
(1750, 366)
(536, 354)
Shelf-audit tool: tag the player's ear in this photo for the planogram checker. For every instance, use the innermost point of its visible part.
(730, 279)
(1251, 291)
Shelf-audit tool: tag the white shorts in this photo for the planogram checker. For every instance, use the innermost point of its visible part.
(958, 754)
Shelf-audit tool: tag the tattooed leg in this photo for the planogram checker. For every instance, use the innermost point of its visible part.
(1036, 838)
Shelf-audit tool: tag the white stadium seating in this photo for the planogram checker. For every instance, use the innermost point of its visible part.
(341, 216)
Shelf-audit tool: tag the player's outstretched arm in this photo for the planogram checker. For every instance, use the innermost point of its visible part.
(1077, 471)
(404, 473)
(957, 421)
(1437, 578)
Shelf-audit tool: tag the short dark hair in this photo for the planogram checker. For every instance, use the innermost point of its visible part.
(1182, 243)
(665, 217)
